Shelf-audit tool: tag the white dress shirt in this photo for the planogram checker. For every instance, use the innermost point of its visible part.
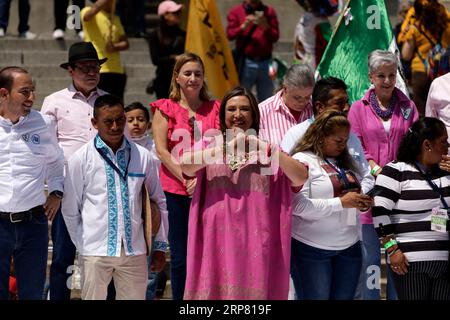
(100, 211)
(319, 220)
(294, 134)
(438, 101)
(29, 156)
(72, 112)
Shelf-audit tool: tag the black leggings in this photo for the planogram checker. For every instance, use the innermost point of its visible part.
(113, 83)
(425, 280)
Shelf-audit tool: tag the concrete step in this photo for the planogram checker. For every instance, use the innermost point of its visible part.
(134, 85)
(40, 71)
(12, 43)
(130, 97)
(56, 57)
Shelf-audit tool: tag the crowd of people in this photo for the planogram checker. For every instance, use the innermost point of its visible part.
(254, 196)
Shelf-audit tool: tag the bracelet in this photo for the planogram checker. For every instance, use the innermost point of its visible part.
(374, 170)
(393, 251)
(390, 243)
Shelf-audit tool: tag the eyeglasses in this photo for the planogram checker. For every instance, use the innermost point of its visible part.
(88, 68)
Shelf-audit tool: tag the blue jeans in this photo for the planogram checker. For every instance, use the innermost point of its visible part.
(369, 281)
(257, 73)
(178, 208)
(27, 243)
(62, 259)
(152, 277)
(24, 13)
(325, 274)
(391, 292)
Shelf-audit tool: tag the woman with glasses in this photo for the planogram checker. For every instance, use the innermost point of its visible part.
(326, 253)
(380, 120)
(178, 123)
(239, 241)
(412, 197)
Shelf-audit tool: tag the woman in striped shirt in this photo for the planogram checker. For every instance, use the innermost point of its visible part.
(410, 213)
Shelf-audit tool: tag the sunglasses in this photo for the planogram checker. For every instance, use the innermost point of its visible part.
(88, 68)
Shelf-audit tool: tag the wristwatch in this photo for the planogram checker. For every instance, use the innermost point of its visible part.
(58, 194)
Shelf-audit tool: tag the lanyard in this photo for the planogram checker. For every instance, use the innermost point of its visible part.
(112, 165)
(341, 173)
(432, 184)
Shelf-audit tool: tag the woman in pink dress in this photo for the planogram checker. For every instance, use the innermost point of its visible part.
(240, 217)
(177, 123)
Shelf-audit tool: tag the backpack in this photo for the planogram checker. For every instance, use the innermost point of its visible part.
(437, 62)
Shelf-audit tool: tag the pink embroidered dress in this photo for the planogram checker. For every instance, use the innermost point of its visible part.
(239, 234)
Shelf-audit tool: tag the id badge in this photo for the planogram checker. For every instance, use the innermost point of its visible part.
(439, 220)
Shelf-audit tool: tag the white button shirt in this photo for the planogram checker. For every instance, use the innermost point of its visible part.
(294, 134)
(29, 156)
(100, 211)
(72, 112)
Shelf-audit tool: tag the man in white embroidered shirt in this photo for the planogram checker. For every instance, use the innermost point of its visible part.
(103, 207)
(29, 156)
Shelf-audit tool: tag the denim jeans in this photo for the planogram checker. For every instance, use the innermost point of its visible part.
(24, 13)
(257, 73)
(27, 243)
(62, 259)
(325, 274)
(369, 287)
(152, 277)
(178, 208)
(391, 292)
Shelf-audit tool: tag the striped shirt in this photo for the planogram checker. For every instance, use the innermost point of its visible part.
(403, 204)
(276, 119)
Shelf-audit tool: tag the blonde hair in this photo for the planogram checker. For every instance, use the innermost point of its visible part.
(181, 60)
(325, 125)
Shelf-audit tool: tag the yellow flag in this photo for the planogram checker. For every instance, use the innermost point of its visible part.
(206, 38)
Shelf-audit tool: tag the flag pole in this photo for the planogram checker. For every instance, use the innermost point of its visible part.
(341, 17)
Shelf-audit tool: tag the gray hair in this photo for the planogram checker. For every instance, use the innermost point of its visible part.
(299, 75)
(378, 58)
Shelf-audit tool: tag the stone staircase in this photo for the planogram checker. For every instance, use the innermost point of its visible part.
(42, 59)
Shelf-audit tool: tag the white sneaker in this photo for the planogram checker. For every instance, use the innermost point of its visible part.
(28, 35)
(2, 32)
(58, 34)
(81, 35)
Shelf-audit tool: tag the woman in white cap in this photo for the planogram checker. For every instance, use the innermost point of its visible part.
(165, 42)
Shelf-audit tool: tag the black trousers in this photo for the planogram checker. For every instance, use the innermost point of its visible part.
(425, 280)
(60, 12)
(113, 83)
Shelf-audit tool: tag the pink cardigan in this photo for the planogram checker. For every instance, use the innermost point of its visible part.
(366, 124)
(377, 145)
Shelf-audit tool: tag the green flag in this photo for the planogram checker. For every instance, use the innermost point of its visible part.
(362, 27)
